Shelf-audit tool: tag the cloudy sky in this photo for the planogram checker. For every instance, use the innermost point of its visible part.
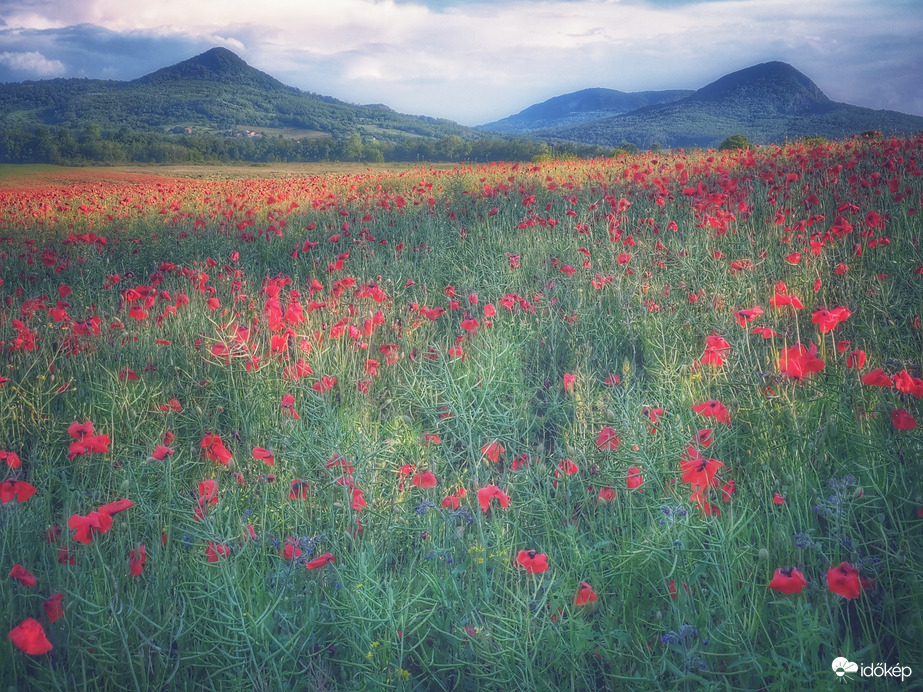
(474, 61)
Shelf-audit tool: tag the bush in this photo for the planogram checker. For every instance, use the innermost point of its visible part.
(735, 142)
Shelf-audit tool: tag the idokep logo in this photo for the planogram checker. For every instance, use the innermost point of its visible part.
(841, 667)
(845, 669)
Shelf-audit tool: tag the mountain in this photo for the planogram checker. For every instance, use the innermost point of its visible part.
(579, 107)
(769, 102)
(216, 65)
(209, 93)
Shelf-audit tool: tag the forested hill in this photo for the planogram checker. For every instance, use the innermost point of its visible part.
(212, 92)
(766, 103)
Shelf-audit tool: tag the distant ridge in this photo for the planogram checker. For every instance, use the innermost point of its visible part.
(210, 93)
(580, 106)
(216, 65)
(769, 102)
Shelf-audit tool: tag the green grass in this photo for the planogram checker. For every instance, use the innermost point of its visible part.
(420, 596)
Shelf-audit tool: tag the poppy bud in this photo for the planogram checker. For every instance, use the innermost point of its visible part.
(859, 492)
(764, 554)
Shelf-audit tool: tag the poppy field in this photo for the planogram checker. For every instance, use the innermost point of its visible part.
(646, 422)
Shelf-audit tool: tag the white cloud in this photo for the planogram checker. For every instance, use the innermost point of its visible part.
(477, 61)
(32, 64)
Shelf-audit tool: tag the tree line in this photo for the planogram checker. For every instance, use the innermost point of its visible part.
(94, 145)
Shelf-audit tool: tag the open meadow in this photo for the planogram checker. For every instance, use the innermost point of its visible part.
(647, 422)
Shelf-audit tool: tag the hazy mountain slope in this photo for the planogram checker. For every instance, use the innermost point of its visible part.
(212, 91)
(579, 107)
(769, 102)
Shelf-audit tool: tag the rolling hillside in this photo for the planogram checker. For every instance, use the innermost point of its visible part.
(214, 91)
(580, 107)
(766, 103)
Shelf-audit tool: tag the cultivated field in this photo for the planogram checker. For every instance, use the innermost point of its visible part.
(642, 423)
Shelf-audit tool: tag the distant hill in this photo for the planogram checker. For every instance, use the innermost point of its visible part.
(211, 92)
(769, 102)
(580, 107)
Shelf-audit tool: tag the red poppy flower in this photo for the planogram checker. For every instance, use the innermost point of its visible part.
(521, 461)
(798, 362)
(608, 439)
(136, 560)
(297, 371)
(18, 490)
(288, 406)
(358, 500)
(585, 594)
(567, 466)
(173, 405)
(779, 300)
(844, 580)
(744, 317)
(727, 490)
(12, 459)
(208, 493)
(764, 332)
(569, 381)
(299, 490)
(716, 348)
(469, 325)
(425, 480)
(128, 374)
(788, 581)
(634, 479)
(493, 450)
(89, 444)
(116, 507)
(877, 378)
(23, 576)
(606, 495)
(325, 384)
(827, 320)
(29, 636)
(856, 359)
(713, 409)
(161, 452)
(137, 312)
(337, 461)
(906, 383)
(264, 455)
(319, 562)
(54, 610)
(486, 494)
(700, 472)
(532, 562)
(216, 551)
(902, 420)
(213, 449)
(291, 549)
(450, 502)
(86, 526)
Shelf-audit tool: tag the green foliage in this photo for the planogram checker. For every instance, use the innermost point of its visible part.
(427, 597)
(735, 142)
(63, 146)
(815, 141)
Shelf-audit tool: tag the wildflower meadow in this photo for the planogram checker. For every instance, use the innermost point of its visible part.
(643, 422)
